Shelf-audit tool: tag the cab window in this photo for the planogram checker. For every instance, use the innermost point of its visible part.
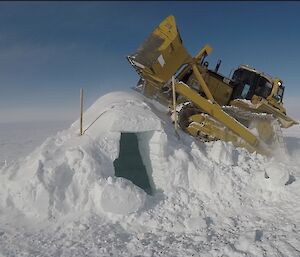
(264, 88)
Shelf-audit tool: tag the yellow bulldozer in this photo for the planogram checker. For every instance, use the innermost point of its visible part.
(246, 109)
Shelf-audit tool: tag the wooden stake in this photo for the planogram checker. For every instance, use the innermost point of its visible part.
(174, 106)
(81, 110)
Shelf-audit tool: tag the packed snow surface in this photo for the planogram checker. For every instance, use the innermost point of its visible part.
(210, 199)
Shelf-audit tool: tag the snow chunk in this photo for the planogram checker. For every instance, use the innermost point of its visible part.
(122, 197)
(221, 152)
(277, 173)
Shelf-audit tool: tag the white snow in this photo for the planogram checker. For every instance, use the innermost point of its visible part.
(209, 199)
(120, 198)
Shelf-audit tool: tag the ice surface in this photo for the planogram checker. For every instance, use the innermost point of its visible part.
(209, 199)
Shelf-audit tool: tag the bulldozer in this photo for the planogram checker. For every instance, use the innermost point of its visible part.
(246, 109)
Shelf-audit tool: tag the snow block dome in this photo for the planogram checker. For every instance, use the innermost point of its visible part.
(70, 173)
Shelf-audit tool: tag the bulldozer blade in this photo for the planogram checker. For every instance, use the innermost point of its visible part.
(162, 53)
(265, 126)
(262, 107)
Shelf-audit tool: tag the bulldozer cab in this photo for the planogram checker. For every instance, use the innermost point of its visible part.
(249, 82)
(264, 92)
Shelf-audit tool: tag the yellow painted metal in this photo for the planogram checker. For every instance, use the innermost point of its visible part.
(204, 126)
(220, 90)
(271, 98)
(216, 111)
(202, 82)
(162, 53)
(206, 50)
(263, 106)
(174, 105)
(200, 123)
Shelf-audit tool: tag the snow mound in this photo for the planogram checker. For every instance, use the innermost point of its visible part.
(68, 172)
(224, 193)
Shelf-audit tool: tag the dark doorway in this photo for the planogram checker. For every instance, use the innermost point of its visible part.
(129, 164)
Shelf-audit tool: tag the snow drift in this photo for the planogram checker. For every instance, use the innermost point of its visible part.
(210, 188)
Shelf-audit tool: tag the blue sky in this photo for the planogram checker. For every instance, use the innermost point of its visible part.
(48, 50)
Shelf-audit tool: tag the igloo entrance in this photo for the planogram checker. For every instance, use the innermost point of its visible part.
(129, 164)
